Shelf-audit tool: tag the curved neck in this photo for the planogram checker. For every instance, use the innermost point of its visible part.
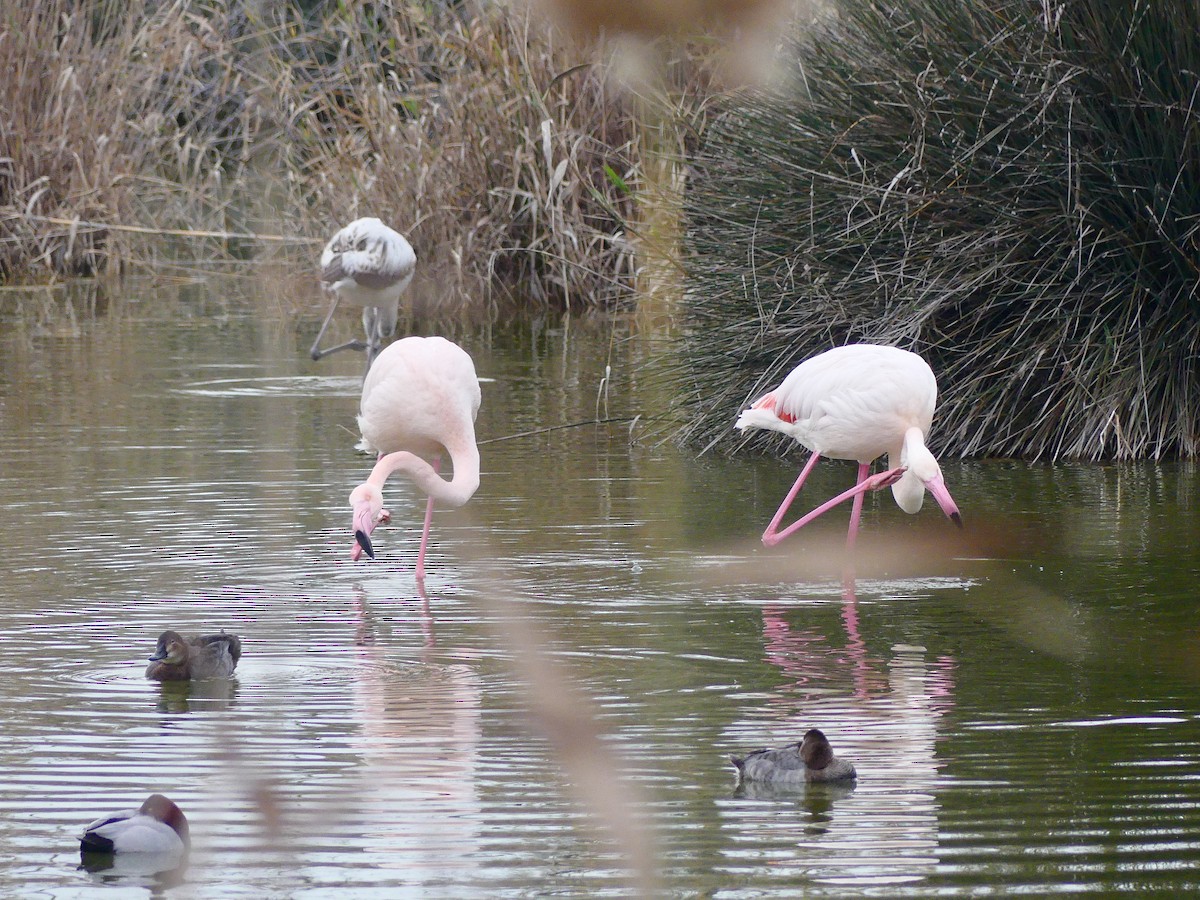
(455, 492)
(909, 491)
(914, 441)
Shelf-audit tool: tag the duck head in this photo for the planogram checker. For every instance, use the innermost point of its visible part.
(815, 749)
(173, 650)
(162, 808)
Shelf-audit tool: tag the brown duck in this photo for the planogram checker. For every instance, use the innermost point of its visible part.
(204, 656)
(810, 760)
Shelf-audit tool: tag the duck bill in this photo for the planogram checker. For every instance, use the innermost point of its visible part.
(937, 487)
(364, 522)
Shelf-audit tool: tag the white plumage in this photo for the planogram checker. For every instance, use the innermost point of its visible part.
(157, 826)
(370, 265)
(419, 401)
(858, 402)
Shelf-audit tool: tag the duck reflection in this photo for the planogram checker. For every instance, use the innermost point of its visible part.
(419, 739)
(154, 872)
(184, 696)
(817, 799)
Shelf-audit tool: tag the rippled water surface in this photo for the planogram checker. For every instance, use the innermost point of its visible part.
(599, 631)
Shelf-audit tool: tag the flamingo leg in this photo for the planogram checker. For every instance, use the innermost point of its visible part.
(856, 510)
(874, 483)
(317, 353)
(769, 536)
(371, 325)
(437, 463)
(376, 328)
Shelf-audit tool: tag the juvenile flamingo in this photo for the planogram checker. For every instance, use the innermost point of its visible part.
(858, 402)
(370, 265)
(419, 401)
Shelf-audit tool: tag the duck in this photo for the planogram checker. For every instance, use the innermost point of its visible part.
(811, 760)
(157, 826)
(204, 656)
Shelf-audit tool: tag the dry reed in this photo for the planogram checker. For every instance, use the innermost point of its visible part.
(501, 151)
(1010, 187)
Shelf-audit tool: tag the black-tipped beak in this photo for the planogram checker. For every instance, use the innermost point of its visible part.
(157, 656)
(956, 519)
(364, 541)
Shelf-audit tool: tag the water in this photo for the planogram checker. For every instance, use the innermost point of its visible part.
(598, 632)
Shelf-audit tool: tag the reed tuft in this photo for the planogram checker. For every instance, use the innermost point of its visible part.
(498, 148)
(1009, 187)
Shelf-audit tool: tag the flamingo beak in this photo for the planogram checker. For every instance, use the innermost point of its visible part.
(937, 487)
(362, 544)
(364, 524)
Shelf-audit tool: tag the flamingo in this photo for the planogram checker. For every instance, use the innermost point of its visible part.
(858, 402)
(419, 401)
(368, 264)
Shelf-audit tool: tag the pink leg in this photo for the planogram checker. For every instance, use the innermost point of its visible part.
(874, 483)
(856, 510)
(768, 537)
(437, 462)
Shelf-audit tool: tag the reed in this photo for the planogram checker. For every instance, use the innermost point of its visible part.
(1009, 187)
(502, 151)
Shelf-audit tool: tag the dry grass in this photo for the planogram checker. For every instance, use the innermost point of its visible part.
(1008, 187)
(502, 152)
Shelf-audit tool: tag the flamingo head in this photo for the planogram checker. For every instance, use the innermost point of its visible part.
(924, 474)
(366, 502)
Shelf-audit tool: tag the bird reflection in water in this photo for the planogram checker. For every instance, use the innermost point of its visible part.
(156, 873)
(418, 712)
(183, 696)
(816, 798)
(883, 709)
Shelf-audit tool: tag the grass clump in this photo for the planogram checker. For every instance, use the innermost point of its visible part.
(500, 150)
(1009, 187)
(507, 157)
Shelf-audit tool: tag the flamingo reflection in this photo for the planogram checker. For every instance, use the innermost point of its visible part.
(419, 739)
(883, 709)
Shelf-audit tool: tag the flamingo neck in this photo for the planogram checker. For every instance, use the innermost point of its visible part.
(453, 492)
(909, 491)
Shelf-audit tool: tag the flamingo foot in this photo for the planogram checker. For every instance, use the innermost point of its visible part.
(880, 480)
(874, 483)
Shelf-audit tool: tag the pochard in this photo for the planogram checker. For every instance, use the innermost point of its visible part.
(810, 760)
(204, 656)
(157, 826)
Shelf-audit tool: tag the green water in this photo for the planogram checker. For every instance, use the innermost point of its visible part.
(599, 630)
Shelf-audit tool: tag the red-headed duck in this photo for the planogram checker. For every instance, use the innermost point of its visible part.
(157, 826)
(206, 656)
(810, 760)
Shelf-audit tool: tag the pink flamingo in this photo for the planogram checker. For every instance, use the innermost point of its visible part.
(419, 400)
(858, 402)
